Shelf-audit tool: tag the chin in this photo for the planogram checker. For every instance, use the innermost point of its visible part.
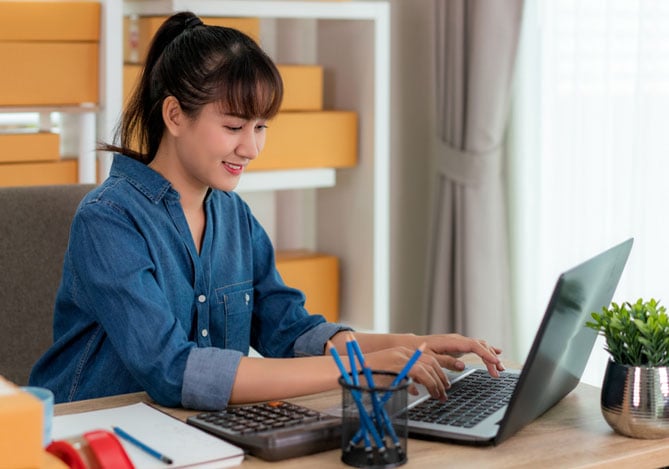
(227, 186)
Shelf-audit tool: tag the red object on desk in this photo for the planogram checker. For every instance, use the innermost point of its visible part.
(106, 449)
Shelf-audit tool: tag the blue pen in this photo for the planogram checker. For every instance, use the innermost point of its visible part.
(142, 446)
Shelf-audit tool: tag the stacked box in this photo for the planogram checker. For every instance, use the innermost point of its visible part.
(139, 31)
(316, 275)
(51, 49)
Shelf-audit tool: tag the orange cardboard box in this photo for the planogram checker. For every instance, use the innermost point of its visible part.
(29, 146)
(139, 31)
(316, 275)
(48, 73)
(35, 174)
(131, 73)
(49, 21)
(324, 139)
(21, 420)
(303, 85)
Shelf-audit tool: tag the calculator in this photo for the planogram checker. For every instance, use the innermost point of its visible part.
(273, 430)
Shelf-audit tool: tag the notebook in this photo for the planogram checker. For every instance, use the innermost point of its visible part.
(553, 367)
(185, 445)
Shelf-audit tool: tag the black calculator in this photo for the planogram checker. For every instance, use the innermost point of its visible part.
(273, 430)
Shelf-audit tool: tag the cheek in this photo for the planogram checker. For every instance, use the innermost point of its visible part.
(260, 141)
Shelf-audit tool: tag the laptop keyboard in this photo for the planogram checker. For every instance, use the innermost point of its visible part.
(470, 400)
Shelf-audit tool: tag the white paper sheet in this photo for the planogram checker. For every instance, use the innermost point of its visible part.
(186, 445)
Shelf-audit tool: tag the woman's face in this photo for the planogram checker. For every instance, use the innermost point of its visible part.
(214, 148)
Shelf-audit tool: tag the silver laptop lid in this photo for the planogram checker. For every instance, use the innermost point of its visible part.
(563, 344)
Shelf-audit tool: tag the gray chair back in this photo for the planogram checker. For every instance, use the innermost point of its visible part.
(34, 231)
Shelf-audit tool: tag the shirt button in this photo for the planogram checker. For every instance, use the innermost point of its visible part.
(202, 298)
(247, 298)
(205, 332)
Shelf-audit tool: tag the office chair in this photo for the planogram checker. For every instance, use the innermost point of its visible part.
(34, 231)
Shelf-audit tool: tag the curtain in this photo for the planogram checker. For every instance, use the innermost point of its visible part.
(468, 278)
(593, 131)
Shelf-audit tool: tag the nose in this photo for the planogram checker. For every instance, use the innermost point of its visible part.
(250, 144)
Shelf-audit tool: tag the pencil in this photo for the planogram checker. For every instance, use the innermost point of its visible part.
(147, 449)
(404, 372)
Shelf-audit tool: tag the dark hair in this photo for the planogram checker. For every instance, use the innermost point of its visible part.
(197, 64)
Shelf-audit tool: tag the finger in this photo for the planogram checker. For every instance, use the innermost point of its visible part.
(428, 372)
(451, 363)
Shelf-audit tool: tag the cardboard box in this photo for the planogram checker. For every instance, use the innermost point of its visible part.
(316, 275)
(48, 73)
(29, 146)
(139, 31)
(131, 73)
(49, 21)
(325, 139)
(36, 174)
(21, 420)
(302, 87)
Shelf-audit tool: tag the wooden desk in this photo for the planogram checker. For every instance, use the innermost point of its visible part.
(571, 434)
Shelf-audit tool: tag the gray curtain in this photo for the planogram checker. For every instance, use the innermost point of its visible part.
(468, 280)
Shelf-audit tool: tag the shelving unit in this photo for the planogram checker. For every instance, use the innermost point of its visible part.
(349, 216)
(52, 73)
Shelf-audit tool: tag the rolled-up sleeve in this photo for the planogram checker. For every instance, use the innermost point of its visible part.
(313, 341)
(208, 378)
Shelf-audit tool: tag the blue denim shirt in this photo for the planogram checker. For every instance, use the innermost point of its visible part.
(139, 309)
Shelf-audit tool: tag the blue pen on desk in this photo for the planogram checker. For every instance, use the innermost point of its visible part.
(147, 449)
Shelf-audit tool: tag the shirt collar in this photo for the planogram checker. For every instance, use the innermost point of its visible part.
(144, 179)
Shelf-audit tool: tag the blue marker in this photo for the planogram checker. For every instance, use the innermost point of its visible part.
(142, 446)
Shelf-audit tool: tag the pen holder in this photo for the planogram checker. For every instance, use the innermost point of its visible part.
(374, 421)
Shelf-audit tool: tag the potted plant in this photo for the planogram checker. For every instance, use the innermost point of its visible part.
(635, 390)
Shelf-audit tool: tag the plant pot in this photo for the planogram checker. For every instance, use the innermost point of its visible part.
(635, 400)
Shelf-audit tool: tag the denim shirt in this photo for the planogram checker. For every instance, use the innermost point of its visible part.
(139, 309)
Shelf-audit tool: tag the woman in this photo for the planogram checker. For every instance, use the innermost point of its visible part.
(168, 277)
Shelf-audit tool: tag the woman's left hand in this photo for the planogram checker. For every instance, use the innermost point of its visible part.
(447, 348)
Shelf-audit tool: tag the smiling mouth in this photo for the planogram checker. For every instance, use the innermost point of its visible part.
(233, 166)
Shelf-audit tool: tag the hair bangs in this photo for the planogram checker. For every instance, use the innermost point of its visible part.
(250, 91)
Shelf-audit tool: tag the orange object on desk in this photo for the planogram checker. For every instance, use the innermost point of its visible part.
(21, 421)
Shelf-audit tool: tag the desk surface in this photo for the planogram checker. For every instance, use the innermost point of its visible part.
(571, 434)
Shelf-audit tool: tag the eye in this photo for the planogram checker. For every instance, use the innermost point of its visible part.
(233, 128)
(260, 127)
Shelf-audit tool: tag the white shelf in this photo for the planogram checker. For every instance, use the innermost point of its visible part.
(261, 9)
(352, 204)
(285, 180)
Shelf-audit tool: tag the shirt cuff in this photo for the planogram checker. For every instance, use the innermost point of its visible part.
(313, 341)
(208, 378)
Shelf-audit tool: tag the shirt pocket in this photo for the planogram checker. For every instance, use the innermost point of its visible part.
(237, 301)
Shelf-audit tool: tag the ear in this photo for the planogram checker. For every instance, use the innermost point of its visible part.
(173, 115)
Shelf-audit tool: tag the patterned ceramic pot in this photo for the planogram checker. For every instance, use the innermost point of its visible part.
(635, 400)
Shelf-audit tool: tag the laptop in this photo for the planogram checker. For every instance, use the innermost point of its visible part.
(553, 367)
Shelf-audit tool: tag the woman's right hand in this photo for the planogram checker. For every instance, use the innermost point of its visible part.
(426, 371)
